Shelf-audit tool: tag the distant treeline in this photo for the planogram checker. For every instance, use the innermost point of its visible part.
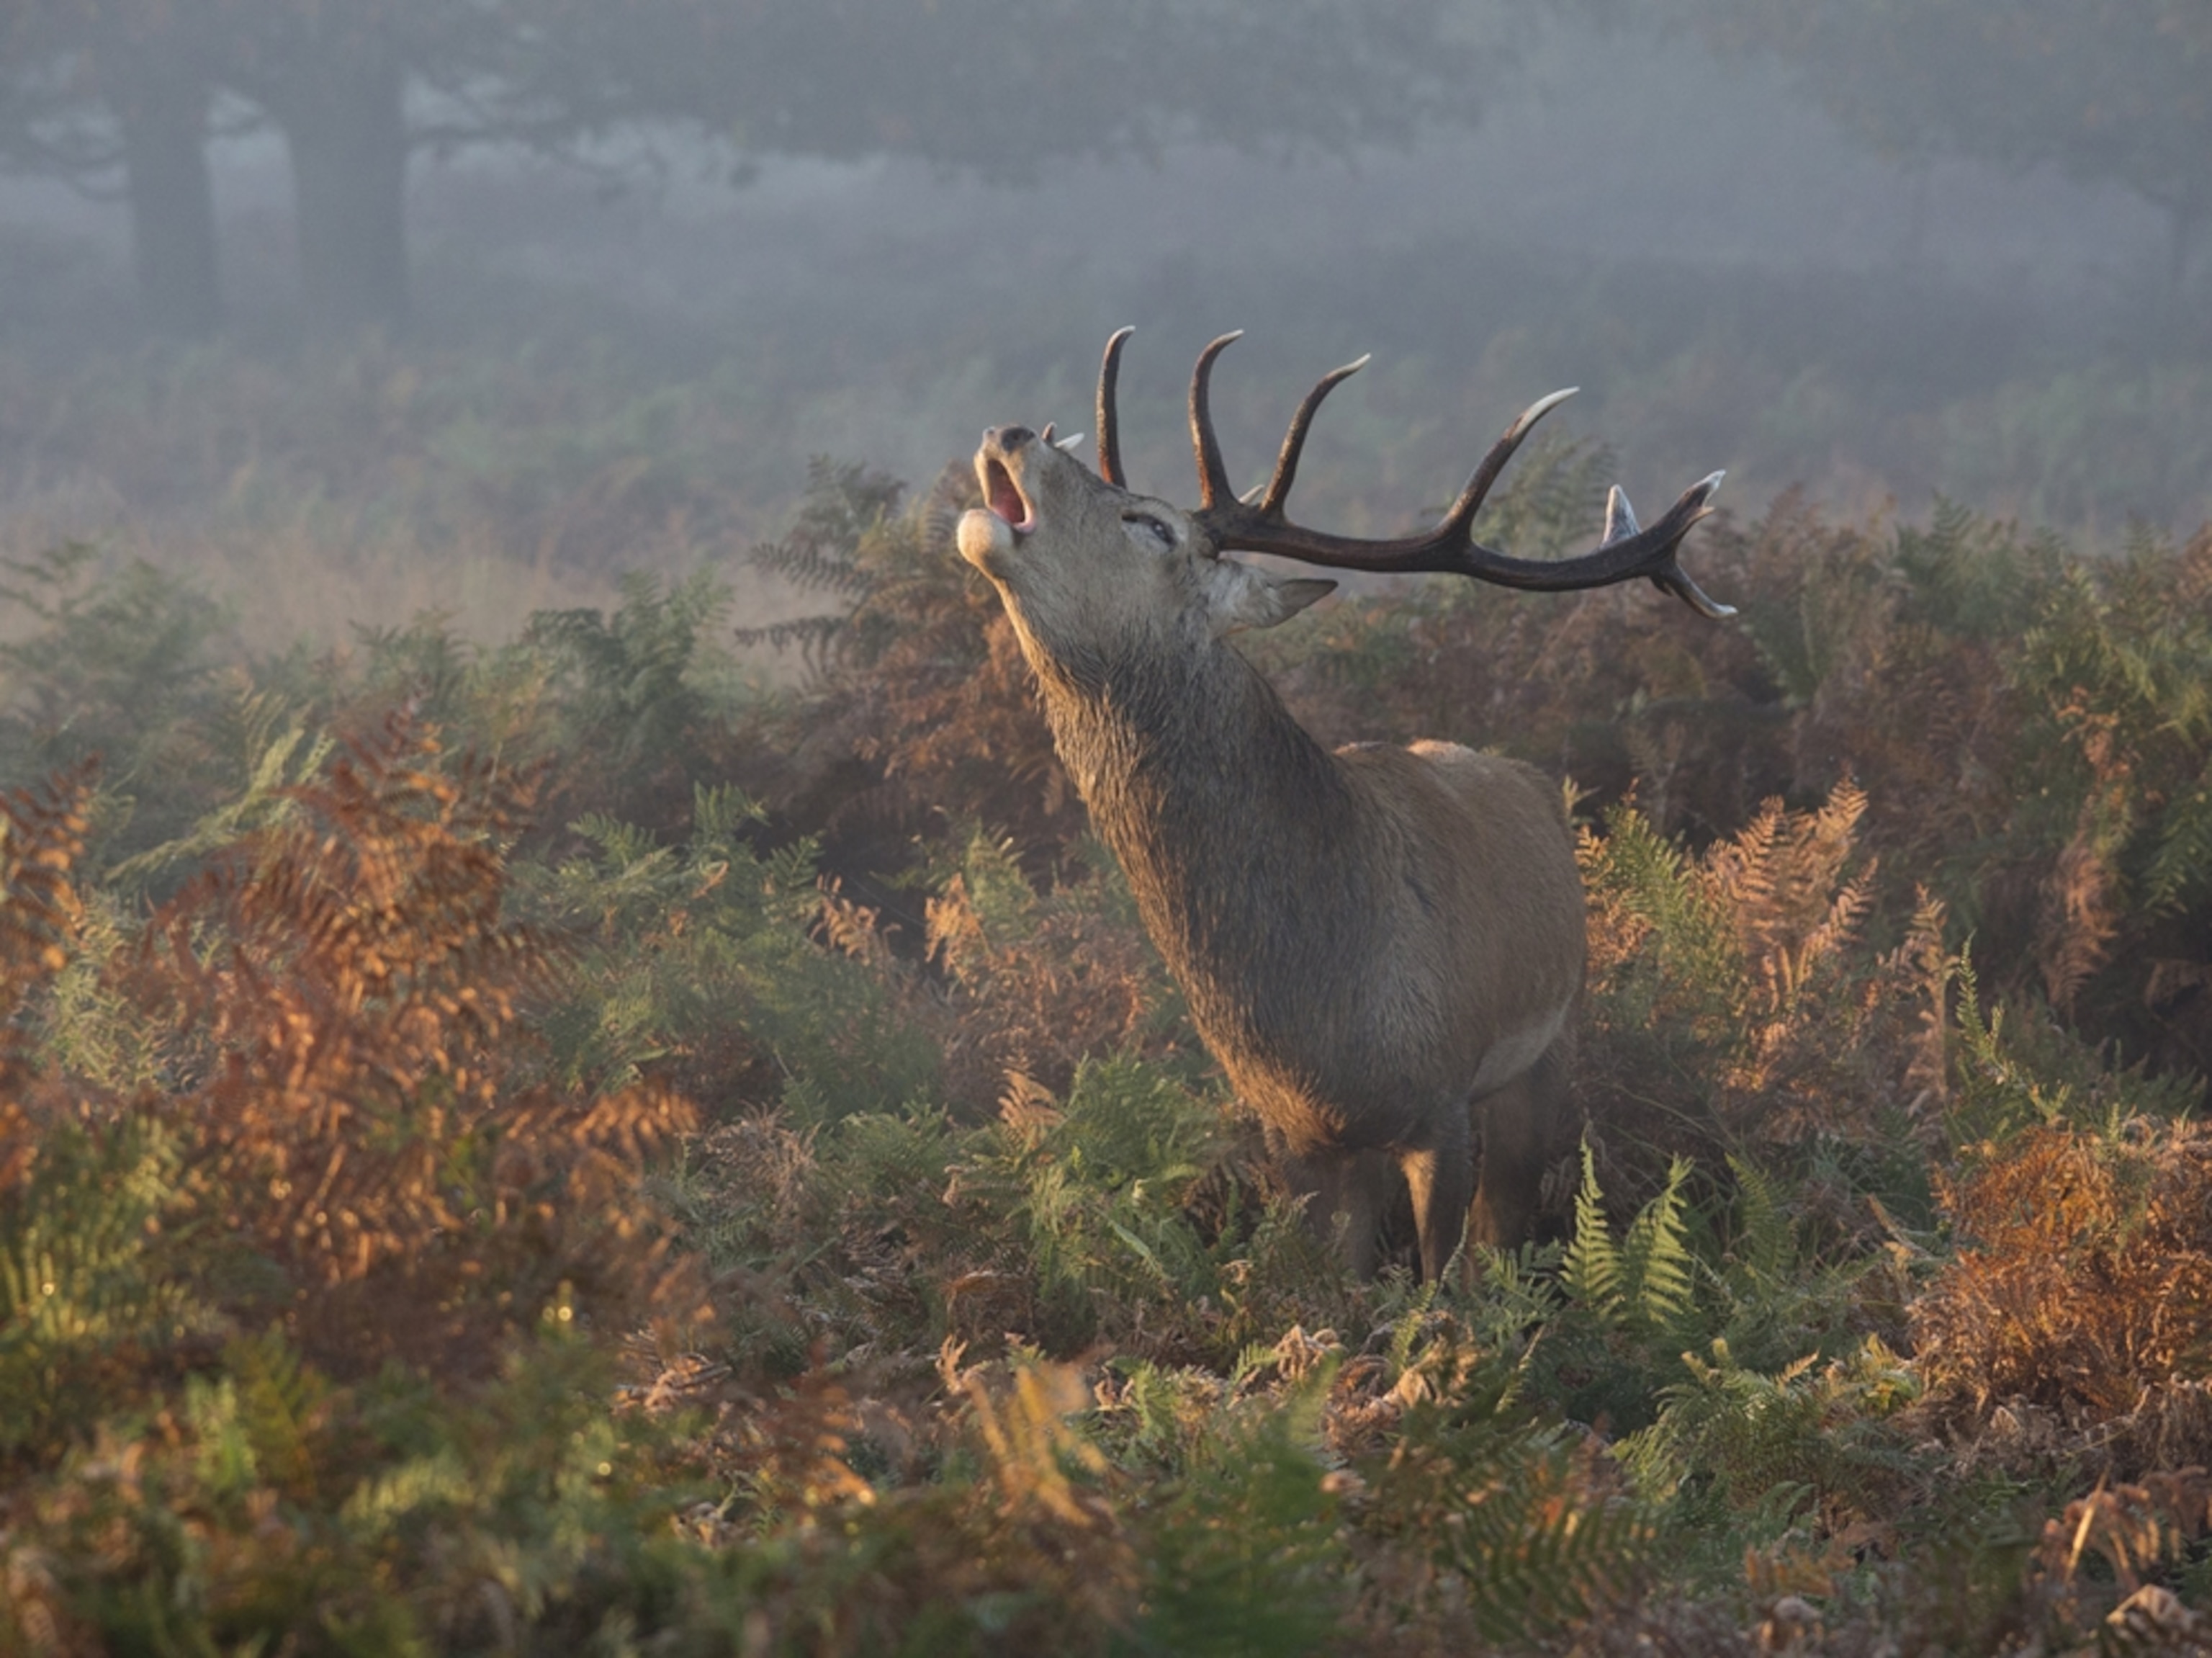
(131, 93)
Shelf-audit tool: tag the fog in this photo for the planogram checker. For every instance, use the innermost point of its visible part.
(1733, 279)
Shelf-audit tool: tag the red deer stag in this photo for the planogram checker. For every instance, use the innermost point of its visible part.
(1383, 947)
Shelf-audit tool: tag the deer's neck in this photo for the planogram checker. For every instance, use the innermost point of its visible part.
(1239, 833)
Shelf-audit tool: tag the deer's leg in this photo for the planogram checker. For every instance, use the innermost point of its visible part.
(1364, 1186)
(1441, 1176)
(1347, 1196)
(1524, 1126)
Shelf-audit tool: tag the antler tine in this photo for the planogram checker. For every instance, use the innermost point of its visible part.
(1212, 476)
(1670, 577)
(1294, 441)
(1109, 423)
(1478, 486)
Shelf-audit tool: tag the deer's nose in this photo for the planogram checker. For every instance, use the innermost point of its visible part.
(1008, 439)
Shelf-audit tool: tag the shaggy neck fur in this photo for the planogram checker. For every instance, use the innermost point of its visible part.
(1238, 833)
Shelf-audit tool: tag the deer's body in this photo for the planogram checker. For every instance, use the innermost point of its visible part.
(1383, 946)
(1370, 942)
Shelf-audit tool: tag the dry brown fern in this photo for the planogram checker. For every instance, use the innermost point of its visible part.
(2081, 911)
(41, 838)
(925, 713)
(2081, 1297)
(1730, 999)
(349, 1069)
(1028, 1008)
(1783, 882)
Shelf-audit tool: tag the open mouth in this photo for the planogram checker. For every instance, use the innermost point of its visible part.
(1003, 497)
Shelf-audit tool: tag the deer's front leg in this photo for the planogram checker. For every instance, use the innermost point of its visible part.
(1441, 1177)
(1348, 1196)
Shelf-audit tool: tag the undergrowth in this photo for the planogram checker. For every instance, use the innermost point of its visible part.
(533, 1147)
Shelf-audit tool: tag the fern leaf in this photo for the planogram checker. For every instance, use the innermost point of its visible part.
(1592, 1269)
(1656, 1268)
(1766, 1241)
(2180, 870)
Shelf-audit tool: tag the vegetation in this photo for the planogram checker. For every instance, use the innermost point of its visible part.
(544, 1146)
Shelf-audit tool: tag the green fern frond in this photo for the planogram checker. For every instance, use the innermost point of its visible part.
(1643, 875)
(288, 759)
(1592, 1270)
(226, 1463)
(1242, 1555)
(720, 811)
(282, 1402)
(1534, 1563)
(1523, 1514)
(1765, 1242)
(2180, 873)
(378, 1505)
(78, 1276)
(623, 846)
(1407, 1329)
(1254, 1358)
(1656, 1269)
(845, 504)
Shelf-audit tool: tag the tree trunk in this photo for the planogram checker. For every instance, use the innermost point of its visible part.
(173, 240)
(346, 129)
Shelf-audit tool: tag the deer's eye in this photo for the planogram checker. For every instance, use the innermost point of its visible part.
(1142, 527)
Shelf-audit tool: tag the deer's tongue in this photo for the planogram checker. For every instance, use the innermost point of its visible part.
(1003, 498)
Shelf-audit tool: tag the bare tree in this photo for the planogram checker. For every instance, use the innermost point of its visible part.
(92, 89)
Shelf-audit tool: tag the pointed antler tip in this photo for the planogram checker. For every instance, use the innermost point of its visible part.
(1212, 475)
(1109, 426)
(1620, 518)
(1537, 411)
(1670, 578)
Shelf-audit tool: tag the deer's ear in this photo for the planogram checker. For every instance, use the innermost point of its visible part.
(1243, 597)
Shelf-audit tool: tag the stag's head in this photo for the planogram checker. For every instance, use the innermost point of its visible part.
(1080, 558)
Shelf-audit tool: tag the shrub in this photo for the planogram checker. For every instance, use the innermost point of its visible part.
(2072, 1322)
(1734, 1010)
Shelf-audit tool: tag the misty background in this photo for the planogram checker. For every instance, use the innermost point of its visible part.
(1810, 248)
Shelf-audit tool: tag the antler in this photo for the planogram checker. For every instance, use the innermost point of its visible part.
(1625, 551)
(1109, 420)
